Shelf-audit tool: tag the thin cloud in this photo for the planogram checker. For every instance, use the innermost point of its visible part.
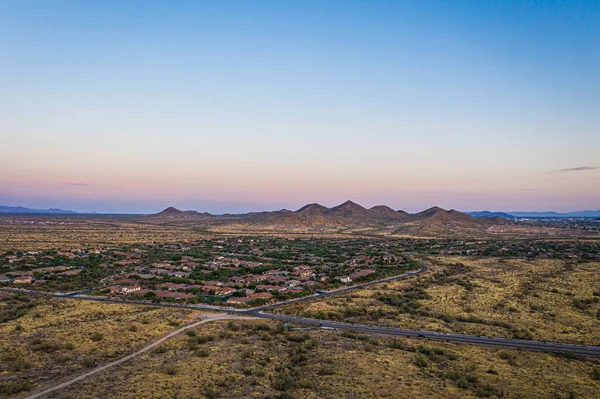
(77, 184)
(577, 169)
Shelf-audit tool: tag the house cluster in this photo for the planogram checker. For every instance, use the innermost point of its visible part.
(235, 271)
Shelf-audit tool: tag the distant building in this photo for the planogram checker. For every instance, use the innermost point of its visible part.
(345, 279)
(23, 280)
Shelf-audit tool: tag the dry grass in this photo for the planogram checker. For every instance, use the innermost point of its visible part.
(249, 362)
(56, 338)
(542, 299)
(56, 231)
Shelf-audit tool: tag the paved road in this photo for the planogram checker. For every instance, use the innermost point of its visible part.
(450, 337)
(423, 269)
(128, 357)
(583, 350)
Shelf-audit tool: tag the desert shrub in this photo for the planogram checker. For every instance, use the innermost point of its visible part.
(47, 347)
(522, 334)
(87, 362)
(97, 337)
(283, 381)
(305, 383)
(486, 391)
(462, 383)
(195, 340)
(19, 306)
(397, 344)
(297, 338)
(191, 333)
(420, 361)
(170, 370)
(19, 365)
(463, 380)
(326, 370)
(132, 328)
(14, 387)
(69, 346)
(202, 352)
(232, 326)
(351, 335)
(210, 393)
(160, 349)
(435, 353)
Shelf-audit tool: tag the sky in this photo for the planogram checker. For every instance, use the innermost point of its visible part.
(234, 106)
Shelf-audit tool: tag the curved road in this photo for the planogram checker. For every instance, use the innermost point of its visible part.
(584, 350)
(128, 357)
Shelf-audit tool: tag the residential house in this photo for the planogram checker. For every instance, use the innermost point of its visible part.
(361, 273)
(176, 295)
(236, 300)
(262, 295)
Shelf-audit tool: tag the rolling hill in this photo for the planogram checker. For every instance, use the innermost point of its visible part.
(343, 218)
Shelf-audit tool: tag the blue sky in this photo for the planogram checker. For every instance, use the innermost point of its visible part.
(122, 106)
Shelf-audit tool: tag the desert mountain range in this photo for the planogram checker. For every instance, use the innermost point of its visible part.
(346, 217)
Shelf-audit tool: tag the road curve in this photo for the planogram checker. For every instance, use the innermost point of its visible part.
(582, 350)
(423, 269)
(128, 357)
(438, 336)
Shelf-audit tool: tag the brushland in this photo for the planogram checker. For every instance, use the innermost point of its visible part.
(45, 339)
(547, 300)
(265, 360)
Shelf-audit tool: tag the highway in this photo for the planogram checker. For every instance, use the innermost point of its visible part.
(582, 350)
(556, 347)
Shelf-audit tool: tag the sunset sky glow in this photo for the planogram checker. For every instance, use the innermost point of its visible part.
(234, 106)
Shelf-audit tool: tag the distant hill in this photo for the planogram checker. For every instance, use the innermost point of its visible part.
(174, 213)
(488, 214)
(550, 214)
(312, 210)
(385, 212)
(21, 209)
(348, 216)
(438, 221)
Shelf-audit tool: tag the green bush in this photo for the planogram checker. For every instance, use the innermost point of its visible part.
(283, 381)
(19, 365)
(203, 352)
(14, 387)
(97, 337)
(486, 391)
(420, 361)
